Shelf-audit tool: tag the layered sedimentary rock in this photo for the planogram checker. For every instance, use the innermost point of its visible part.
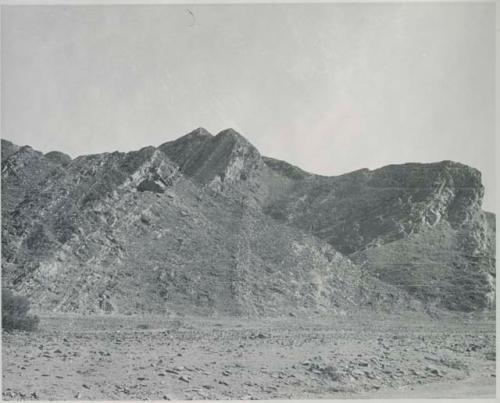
(205, 223)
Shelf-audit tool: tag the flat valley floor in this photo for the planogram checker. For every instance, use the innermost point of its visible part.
(366, 355)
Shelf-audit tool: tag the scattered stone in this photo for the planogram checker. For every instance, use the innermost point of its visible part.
(371, 375)
(434, 371)
(183, 379)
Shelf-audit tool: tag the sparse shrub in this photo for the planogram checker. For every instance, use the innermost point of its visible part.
(491, 356)
(15, 312)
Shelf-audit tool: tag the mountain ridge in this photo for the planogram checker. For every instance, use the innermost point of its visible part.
(270, 161)
(156, 208)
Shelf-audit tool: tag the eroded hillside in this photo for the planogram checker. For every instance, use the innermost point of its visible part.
(206, 224)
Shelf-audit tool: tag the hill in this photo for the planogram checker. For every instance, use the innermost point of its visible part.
(206, 224)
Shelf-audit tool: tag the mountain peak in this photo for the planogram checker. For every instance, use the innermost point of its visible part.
(205, 157)
(233, 136)
(229, 132)
(198, 134)
(200, 131)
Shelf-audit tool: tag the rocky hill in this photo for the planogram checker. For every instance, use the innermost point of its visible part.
(418, 226)
(206, 224)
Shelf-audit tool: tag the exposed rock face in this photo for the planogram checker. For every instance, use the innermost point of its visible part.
(205, 223)
(418, 226)
(366, 208)
(225, 162)
(22, 169)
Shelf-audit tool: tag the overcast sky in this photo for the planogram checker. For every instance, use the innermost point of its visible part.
(329, 87)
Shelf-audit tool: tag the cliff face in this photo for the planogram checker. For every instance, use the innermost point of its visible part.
(366, 208)
(417, 226)
(204, 223)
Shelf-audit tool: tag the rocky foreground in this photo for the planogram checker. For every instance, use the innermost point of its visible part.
(142, 358)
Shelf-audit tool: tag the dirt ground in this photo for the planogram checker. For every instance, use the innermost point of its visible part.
(192, 358)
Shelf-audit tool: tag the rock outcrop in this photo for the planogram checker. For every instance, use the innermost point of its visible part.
(417, 226)
(205, 223)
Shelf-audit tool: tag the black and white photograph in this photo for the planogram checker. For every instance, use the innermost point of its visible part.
(248, 201)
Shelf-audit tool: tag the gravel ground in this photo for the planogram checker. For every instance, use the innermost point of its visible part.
(193, 358)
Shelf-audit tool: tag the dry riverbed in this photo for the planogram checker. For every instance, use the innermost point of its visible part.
(183, 358)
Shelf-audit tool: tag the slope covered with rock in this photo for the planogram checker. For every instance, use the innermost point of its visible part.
(139, 231)
(205, 223)
(417, 226)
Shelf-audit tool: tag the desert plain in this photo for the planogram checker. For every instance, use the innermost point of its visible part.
(181, 357)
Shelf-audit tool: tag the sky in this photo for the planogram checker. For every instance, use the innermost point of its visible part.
(331, 88)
